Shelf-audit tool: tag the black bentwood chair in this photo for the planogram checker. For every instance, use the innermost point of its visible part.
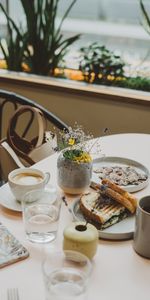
(9, 102)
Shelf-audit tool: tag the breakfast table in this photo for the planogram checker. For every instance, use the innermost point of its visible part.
(118, 272)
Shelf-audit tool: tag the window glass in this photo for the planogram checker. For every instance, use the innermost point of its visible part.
(113, 23)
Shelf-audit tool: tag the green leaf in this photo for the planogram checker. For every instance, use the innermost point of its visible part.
(16, 44)
(99, 60)
(47, 46)
(65, 15)
(4, 52)
(10, 21)
(146, 19)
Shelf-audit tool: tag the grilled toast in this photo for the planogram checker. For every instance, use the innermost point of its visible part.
(106, 205)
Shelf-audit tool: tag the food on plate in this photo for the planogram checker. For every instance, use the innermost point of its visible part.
(121, 175)
(122, 192)
(107, 205)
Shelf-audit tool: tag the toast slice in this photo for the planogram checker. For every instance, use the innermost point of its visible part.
(101, 211)
(107, 205)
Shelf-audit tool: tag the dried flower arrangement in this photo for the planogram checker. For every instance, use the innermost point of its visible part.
(77, 144)
(74, 164)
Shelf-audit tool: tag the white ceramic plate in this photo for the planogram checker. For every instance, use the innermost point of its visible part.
(110, 161)
(120, 231)
(8, 201)
(11, 203)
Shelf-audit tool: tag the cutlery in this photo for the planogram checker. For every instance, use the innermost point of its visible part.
(66, 204)
(12, 294)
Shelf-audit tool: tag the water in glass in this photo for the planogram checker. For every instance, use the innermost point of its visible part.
(66, 275)
(41, 222)
(64, 284)
(41, 215)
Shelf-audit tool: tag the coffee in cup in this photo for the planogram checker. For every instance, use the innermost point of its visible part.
(27, 179)
(24, 180)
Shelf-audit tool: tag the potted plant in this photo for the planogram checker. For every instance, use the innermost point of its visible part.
(41, 44)
(47, 43)
(100, 65)
(15, 51)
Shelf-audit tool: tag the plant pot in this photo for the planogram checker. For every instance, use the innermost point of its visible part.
(73, 177)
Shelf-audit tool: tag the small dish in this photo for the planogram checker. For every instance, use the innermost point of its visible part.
(110, 162)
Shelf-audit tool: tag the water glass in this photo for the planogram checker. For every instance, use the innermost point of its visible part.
(41, 209)
(66, 275)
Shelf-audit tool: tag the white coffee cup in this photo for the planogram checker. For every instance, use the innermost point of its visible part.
(24, 180)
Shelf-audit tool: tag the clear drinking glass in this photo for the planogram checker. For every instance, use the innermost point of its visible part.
(41, 209)
(66, 275)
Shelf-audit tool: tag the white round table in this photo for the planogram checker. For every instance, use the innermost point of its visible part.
(118, 272)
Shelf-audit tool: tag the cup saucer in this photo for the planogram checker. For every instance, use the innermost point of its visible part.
(8, 201)
(11, 203)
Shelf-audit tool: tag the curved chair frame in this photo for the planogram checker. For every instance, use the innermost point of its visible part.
(15, 99)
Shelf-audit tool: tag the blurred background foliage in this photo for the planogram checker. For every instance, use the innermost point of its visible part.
(40, 47)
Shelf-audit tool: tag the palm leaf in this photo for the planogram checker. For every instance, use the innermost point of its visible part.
(65, 16)
(16, 44)
(45, 40)
(4, 52)
(48, 41)
(29, 9)
(67, 42)
(146, 19)
(9, 20)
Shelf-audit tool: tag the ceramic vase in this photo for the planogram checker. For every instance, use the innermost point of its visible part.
(73, 177)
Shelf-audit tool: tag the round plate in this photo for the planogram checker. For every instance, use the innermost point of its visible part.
(122, 230)
(110, 161)
(8, 201)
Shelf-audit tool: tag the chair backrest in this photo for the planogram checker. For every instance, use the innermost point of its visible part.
(15, 100)
(27, 126)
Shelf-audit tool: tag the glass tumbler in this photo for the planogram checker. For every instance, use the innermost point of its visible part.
(66, 275)
(41, 210)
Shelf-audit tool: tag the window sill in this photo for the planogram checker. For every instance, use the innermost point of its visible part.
(70, 86)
